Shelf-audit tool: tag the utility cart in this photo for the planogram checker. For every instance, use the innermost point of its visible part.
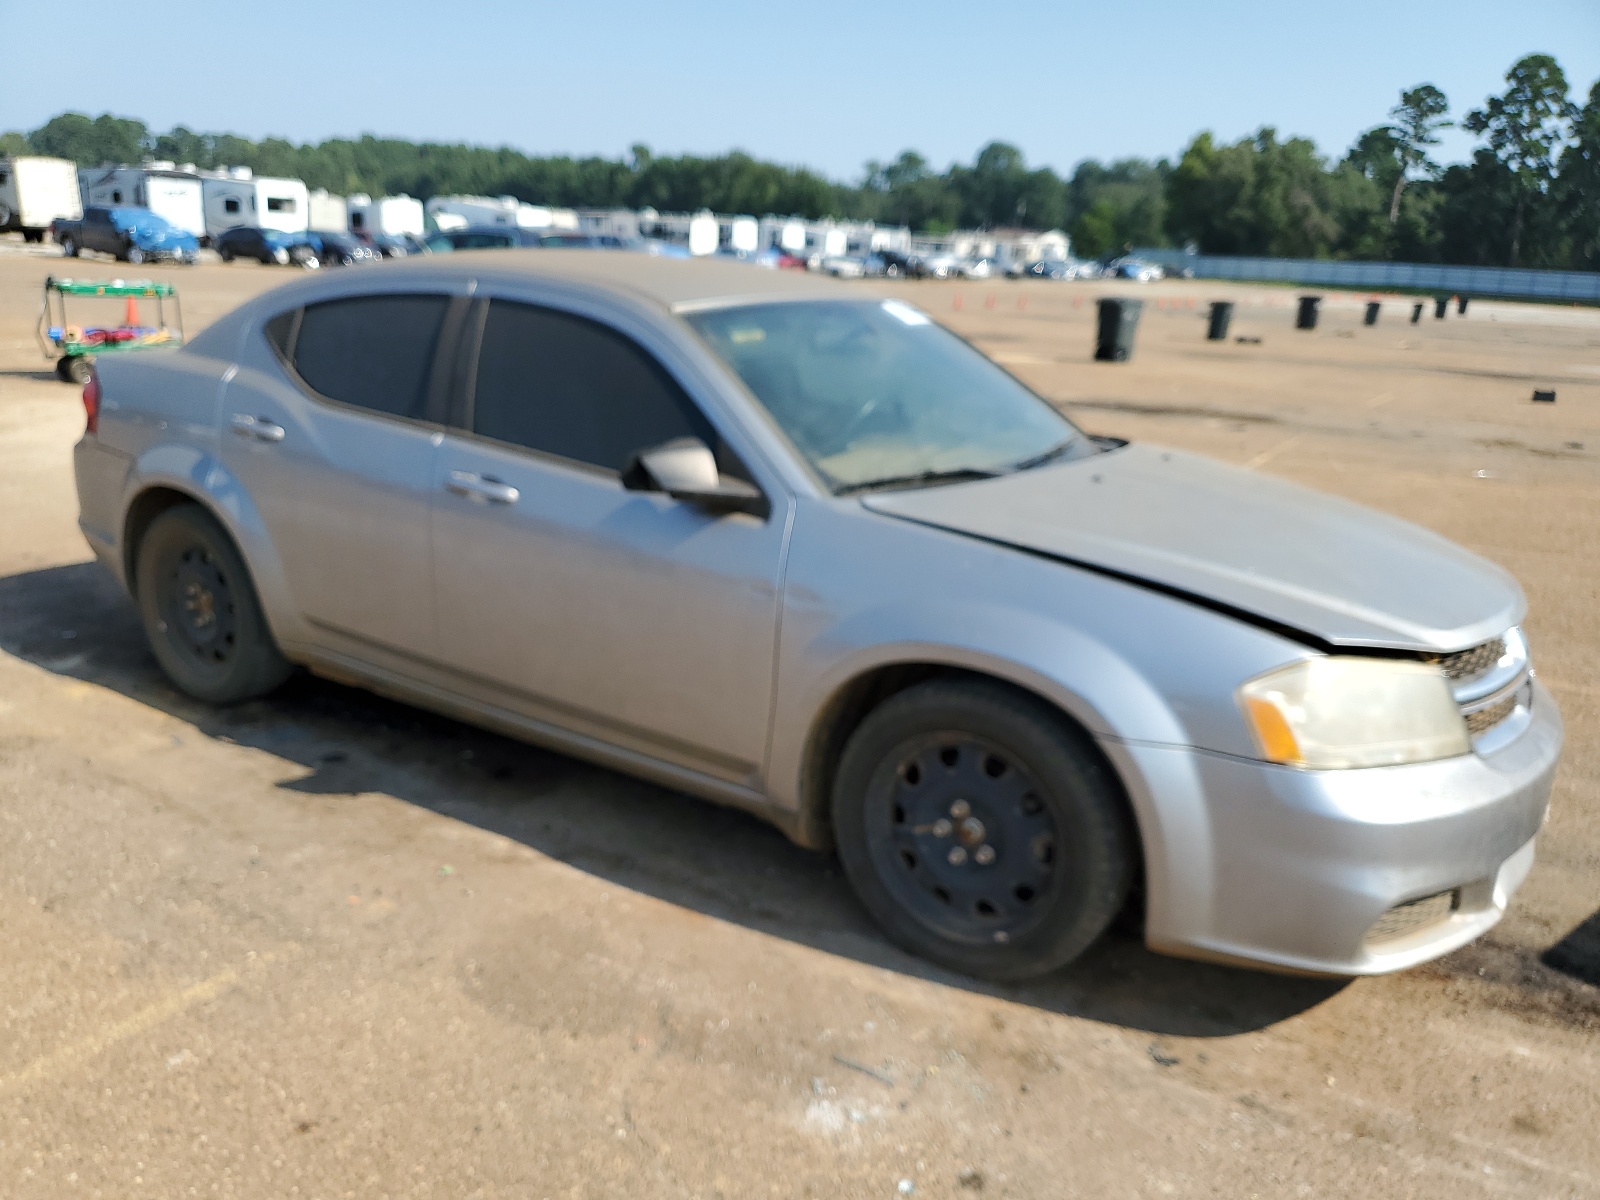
(75, 347)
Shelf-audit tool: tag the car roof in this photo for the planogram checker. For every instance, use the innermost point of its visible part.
(673, 283)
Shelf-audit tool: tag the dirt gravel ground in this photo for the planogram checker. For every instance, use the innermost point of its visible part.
(329, 946)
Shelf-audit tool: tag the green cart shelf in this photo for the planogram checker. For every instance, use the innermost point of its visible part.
(74, 348)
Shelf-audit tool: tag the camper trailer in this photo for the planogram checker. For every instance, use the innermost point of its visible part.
(497, 210)
(325, 213)
(36, 191)
(164, 188)
(237, 196)
(393, 215)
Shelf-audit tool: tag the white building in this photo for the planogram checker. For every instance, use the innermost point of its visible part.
(388, 214)
(164, 188)
(235, 196)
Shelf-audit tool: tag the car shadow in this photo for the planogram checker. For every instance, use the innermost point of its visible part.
(74, 621)
(46, 375)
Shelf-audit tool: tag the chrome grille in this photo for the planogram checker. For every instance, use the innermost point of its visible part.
(1414, 915)
(1467, 664)
(1485, 719)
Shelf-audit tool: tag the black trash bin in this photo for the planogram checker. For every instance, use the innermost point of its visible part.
(1372, 312)
(1119, 319)
(1416, 311)
(1441, 305)
(1461, 305)
(1221, 317)
(1306, 318)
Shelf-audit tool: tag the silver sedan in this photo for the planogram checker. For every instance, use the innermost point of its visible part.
(771, 542)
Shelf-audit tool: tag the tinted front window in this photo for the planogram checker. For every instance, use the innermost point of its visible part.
(371, 351)
(568, 386)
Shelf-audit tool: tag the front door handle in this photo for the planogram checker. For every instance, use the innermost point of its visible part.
(481, 487)
(259, 428)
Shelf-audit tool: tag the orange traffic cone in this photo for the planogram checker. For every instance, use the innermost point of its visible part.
(130, 317)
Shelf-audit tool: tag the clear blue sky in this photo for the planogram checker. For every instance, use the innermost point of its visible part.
(827, 84)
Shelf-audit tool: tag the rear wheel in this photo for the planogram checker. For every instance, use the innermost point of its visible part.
(982, 830)
(200, 610)
(225, 254)
(69, 248)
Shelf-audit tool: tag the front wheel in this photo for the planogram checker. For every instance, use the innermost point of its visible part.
(134, 256)
(200, 610)
(982, 830)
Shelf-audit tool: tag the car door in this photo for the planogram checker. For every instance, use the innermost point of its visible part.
(334, 442)
(99, 233)
(621, 615)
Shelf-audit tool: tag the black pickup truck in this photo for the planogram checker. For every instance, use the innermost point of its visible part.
(135, 235)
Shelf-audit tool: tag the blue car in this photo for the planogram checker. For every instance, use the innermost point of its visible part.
(249, 241)
(135, 235)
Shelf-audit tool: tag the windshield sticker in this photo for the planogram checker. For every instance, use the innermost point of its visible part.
(746, 337)
(905, 314)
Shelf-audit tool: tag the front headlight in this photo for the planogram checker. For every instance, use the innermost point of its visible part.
(1334, 713)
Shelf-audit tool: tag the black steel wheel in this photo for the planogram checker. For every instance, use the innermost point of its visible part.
(200, 610)
(75, 368)
(982, 829)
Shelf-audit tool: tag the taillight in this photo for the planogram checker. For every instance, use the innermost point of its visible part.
(91, 404)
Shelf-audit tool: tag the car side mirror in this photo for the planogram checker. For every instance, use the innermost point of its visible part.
(686, 470)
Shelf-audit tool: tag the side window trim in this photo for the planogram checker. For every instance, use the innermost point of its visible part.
(439, 397)
(464, 397)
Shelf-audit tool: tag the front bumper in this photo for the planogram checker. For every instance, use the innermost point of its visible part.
(1254, 863)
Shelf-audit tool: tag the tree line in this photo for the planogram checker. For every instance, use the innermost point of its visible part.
(1529, 196)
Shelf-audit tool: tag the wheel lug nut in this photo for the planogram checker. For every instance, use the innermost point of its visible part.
(960, 809)
(958, 855)
(984, 855)
(942, 828)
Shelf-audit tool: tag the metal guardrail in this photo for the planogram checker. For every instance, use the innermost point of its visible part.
(1583, 286)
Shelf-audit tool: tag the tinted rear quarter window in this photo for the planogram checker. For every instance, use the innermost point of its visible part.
(374, 352)
(572, 387)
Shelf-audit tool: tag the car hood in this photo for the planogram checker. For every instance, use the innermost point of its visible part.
(158, 237)
(1224, 536)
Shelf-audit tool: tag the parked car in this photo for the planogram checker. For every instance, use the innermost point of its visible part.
(571, 239)
(135, 235)
(485, 237)
(762, 538)
(1136, 269)
(320, 248)
(896, 264)
(1049, 268)
(389, 245)
(249, 241)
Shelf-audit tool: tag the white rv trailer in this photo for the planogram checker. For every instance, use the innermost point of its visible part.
(34, 192)
(699, 232)
(387, 214)
(782, 233)
(738, 235)
(164, 188)
(325, 213)
(500, 210)
(237, 196)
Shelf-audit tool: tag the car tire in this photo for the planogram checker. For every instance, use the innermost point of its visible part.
(225, 254)
(279, 256)
(982, 830)
(134, 256)
(200, 610)
(75, 369)
(69, 248)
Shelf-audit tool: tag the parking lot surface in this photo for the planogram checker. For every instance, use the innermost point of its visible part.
(330, 946)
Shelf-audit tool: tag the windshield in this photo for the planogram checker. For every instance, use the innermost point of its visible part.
(875, 392)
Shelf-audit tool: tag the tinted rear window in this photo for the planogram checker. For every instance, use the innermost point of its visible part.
(371, 351)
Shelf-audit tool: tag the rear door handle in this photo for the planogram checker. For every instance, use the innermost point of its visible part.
(481, 487)
(259, 428)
